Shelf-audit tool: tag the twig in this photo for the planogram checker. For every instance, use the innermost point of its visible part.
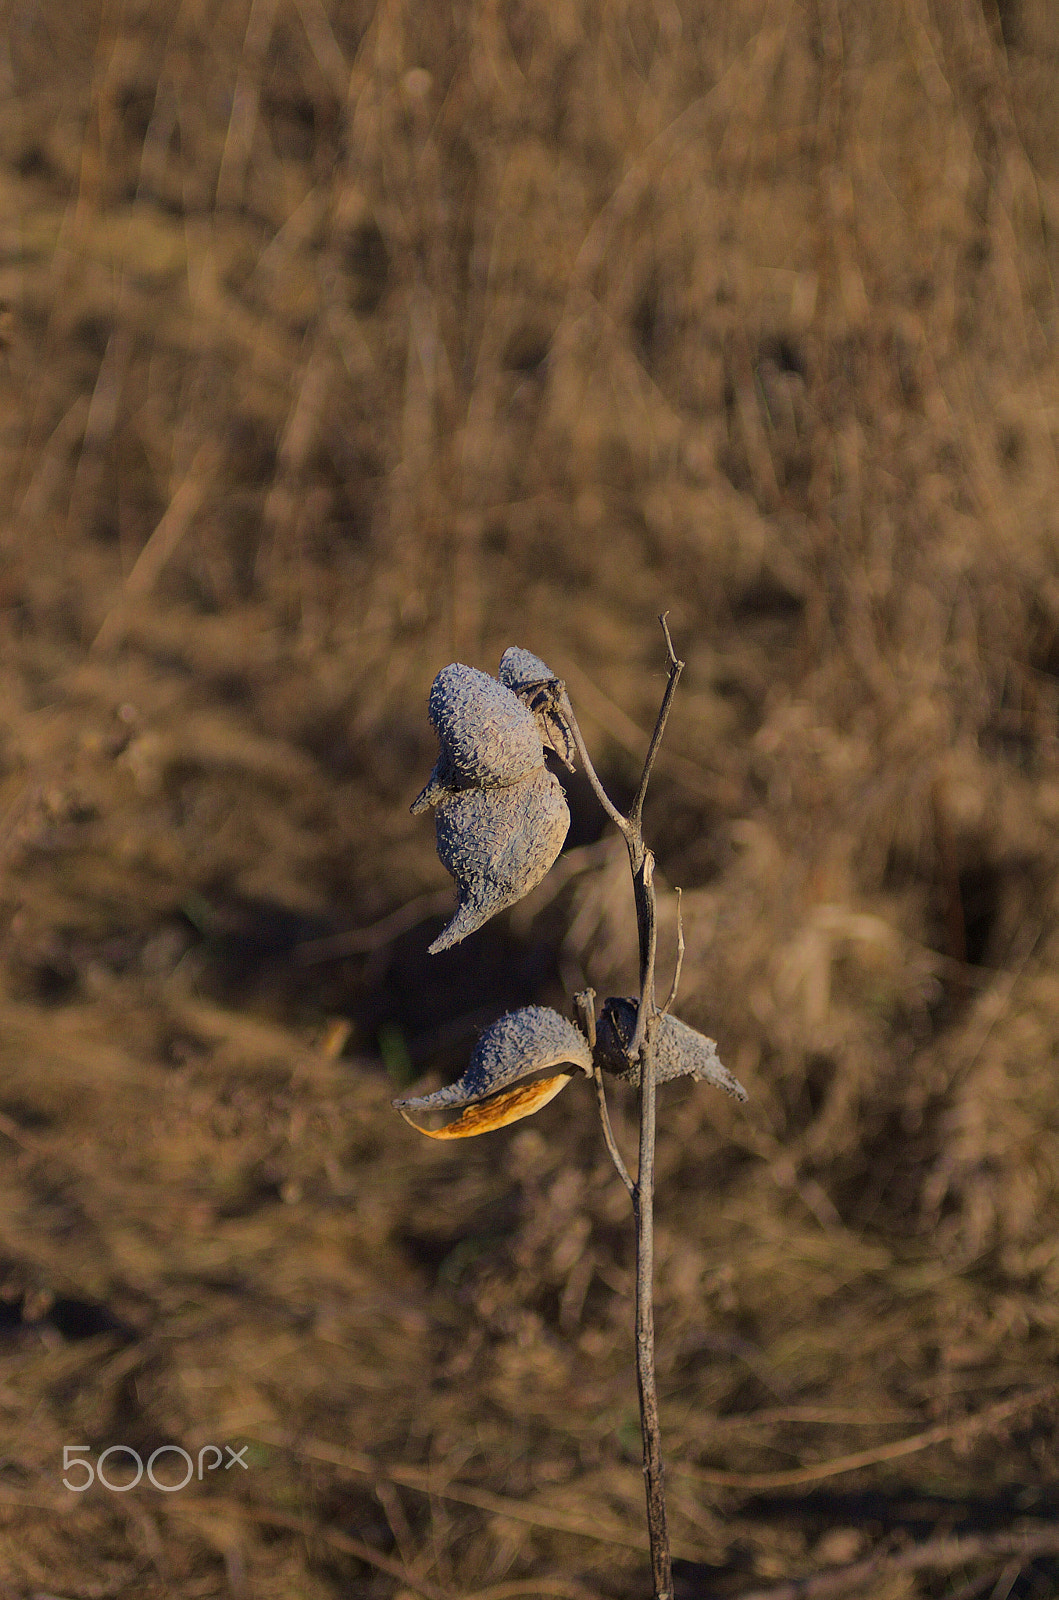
(693, 776)
(642, 863)
(678, 969)
(608, 1134)
(641, 1047)
(675, 669)
(566, 711)
(584, 1005)
(643, 1208)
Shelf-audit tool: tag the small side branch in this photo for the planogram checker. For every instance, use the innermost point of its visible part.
(608, 1135)
(676, 667)
(566, 711)
(672, 995)
(585, 1006)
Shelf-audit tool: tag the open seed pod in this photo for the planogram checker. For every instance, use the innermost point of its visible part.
(498, 844)
(488, 737)
(680, 1052)
(536, 684)
(512, 1073)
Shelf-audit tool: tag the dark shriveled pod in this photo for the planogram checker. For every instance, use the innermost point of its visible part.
(488, 738)
(511, 1074)
(498, 844)
(537, 686)
(680, 1051)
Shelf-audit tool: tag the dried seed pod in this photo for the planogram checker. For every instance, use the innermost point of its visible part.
(510, 1074)
(488, 738)
(680, 1051)
(536, 684)
(498, 844)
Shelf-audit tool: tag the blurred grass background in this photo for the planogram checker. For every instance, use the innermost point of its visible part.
(344, 340)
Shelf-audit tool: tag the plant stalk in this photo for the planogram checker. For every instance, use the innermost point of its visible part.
(641, 1046)
(643, 1211)
(642, 863)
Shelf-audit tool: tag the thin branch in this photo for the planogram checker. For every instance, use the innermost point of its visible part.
(641, 1048)
(566, 711)
(584, 1005)
(643, 872)
(671, 997)
(641, 862)
(676, 667)
(643, 1207)
(608, 1134)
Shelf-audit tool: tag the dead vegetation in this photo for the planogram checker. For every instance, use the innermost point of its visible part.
(341, 341)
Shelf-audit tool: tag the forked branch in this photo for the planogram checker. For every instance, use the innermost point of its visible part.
(500, 819)
(641, 1049)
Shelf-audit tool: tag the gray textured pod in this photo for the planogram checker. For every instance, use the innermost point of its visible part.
(498, 844)
(515, 1049)
(680, 1051)
(488, 738)
(527, 676)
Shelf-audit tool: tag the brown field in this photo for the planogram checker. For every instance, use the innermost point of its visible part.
(341, 340)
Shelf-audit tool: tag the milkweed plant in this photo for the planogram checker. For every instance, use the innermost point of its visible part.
(501, 819)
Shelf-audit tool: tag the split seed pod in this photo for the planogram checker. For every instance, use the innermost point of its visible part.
(498, 844)
(538, 687)
(501, 815)
(511, 1074)
(680, 1051)
(488, 738)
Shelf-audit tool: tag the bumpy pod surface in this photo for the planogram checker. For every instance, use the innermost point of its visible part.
(486, 732)
(527, 676)
(488, 738)
(511, 1074)
(680, 1051)
(498, 844)
(521, 670)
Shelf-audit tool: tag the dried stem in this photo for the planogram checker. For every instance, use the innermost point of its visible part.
(678, 969)
(643, 1210)
(608, 1134)
(566, 711)
(675, 669)
(641, 863)
(584, 1005)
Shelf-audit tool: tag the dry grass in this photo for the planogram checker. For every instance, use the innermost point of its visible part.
(342, 341)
